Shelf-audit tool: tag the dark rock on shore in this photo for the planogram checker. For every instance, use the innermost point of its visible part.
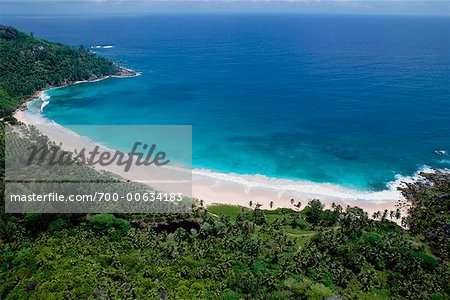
(124, 72)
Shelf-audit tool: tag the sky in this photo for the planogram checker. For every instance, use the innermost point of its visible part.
(140, 7)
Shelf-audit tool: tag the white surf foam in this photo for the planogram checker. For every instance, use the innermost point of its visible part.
(303, 189)
(45, 98)
(441, 152)
(101, 47)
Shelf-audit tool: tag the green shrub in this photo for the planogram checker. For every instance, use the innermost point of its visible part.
(58, 224)
(104, 222)
(427, 260)
(229, 295)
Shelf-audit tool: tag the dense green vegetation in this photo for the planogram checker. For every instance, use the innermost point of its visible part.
(428, 204)
(233, 253)
(29, 64)
(219, 252)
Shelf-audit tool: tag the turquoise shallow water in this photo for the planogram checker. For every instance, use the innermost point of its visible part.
(347, 100)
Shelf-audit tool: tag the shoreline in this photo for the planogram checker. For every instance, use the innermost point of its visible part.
(236, 189)
(122, 73)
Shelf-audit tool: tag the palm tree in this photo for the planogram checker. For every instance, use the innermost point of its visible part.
(376, 215)
(255, 211)
(391, 214)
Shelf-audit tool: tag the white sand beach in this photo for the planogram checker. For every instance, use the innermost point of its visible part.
(228, 188)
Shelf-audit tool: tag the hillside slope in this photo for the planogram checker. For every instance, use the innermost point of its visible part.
(29, 64)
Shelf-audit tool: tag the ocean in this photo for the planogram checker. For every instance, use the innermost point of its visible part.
(356, 101)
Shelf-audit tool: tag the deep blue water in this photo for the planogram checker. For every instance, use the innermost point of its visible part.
(351, 100)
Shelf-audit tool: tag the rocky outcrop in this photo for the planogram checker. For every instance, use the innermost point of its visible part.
(124, 72)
